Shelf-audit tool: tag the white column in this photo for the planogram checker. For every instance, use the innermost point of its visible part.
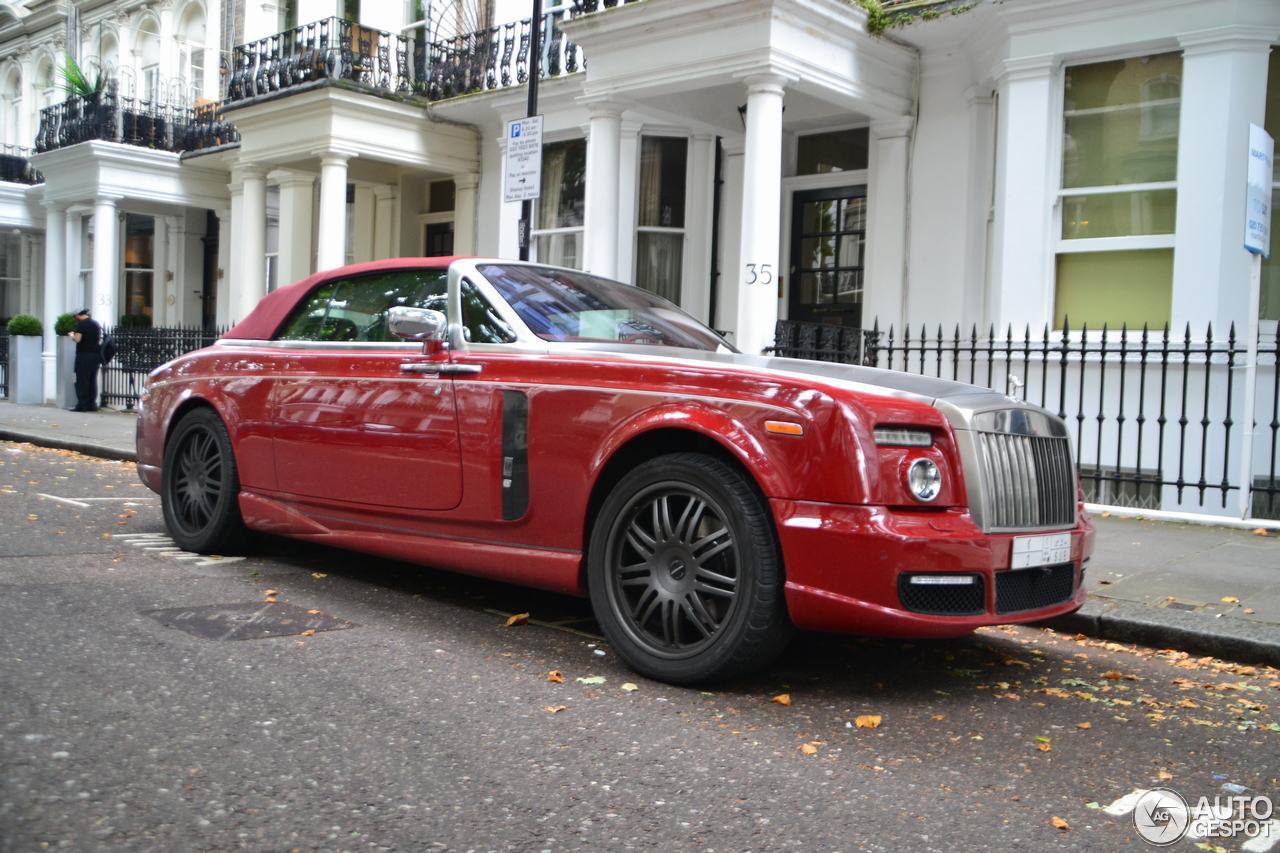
(464, 213)
(362, 213)
(28, 116)
(173, 278)
(1224, 89)
(600, 232)
(106, 261)
(695, 293)
(159, 271)
(228, 242)
(297, 202)
(758, 269)
(726, 318)
(979, 219)
(55, 274)
(168, 39)
(73, 247)
(384, 229)
(331, 242)
(628, 195)
(508, 215)
(1026, 173)
(883, 288)
(252, 265)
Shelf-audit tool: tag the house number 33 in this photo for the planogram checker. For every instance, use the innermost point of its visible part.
(759, 274)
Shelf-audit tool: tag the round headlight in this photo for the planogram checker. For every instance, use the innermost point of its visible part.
(924, 480)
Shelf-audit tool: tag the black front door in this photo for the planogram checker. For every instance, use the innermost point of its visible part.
(828, 249)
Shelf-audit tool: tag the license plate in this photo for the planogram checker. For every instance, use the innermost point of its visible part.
(1029, 551)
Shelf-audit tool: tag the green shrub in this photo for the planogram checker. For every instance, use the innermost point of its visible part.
(64, 324)
(25, 324)
(134, 321)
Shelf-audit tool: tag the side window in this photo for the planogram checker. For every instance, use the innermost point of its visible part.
(356, 309)
(480, 322)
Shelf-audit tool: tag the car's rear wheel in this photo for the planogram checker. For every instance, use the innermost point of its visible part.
(201, 485)
(684, 571)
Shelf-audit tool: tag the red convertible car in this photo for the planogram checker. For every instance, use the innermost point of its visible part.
(547, 427)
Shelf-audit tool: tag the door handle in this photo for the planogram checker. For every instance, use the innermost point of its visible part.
(445, 369)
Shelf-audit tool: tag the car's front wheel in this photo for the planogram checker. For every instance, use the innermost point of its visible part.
(684, 571)
(200, 488)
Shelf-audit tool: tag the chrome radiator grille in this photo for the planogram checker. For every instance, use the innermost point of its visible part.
(1028, 481)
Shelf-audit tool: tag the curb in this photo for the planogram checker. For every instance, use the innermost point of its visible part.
(88, 448)
(1227, 638)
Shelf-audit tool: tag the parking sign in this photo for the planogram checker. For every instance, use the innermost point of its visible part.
(523, 178)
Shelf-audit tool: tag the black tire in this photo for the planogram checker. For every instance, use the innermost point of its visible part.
(200, 485)
(685, 574)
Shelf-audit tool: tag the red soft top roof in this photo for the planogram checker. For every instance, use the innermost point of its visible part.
(270, 312)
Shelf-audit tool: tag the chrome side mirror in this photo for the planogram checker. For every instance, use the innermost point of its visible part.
(416, 324)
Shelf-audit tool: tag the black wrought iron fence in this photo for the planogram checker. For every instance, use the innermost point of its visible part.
(497, 57)
(328, 49)
(15, 166)
(140, 351)
(4, 362)
(112, 117)
(1157, 417)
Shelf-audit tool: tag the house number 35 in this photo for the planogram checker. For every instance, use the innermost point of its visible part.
(759, 274)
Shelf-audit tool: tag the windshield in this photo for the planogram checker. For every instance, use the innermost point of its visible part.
(563, 305)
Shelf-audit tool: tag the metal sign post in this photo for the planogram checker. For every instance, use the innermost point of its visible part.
(535, 71)
(1257, 241)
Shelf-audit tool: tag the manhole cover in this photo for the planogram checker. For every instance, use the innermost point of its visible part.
(253, 621)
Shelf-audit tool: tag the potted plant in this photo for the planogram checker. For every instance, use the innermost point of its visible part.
(65, 372)
(26, 374)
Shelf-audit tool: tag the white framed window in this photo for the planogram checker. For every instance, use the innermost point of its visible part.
(1118, 198)
(272, 242)
(660, 219)
(139, 265)
(558, 221)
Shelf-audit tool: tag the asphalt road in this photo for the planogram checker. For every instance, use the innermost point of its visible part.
(414, 719)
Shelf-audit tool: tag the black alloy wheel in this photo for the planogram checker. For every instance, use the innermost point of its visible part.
(684, 571)
(201, 485)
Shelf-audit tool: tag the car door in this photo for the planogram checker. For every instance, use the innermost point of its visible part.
(351, 425)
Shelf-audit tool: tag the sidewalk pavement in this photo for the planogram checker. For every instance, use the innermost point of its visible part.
(1197, 588)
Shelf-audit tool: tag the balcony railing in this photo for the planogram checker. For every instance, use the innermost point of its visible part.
(111, 117)
(499, 57)
(328, 49)
(15, 166)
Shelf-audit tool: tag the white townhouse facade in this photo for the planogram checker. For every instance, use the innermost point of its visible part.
(1032, 166)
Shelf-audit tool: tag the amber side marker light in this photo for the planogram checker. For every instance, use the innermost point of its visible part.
(783, 428)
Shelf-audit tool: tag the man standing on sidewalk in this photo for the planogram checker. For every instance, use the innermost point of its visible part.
(88, 337)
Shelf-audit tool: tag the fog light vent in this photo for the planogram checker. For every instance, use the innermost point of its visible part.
(943, 594)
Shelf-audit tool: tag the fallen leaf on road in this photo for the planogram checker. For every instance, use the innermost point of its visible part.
(867, 721)
(1187, 703)
(553, 709)
(591, 679)
(555, 676)
(630, 686)
(1249, 611)
(1059, 823)
(313, 612)
(1084, 725)
(808, 749)
(516, 619)
(271, 592)
(1259, 531)
(939, 716)
(1164, 775)
(319, 575)
(782, 699)
(1230, 599)
(106, 536)
(33, 518)
(310, 632)
(1044, 747)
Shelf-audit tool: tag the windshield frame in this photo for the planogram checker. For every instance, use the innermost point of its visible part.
(472, 270)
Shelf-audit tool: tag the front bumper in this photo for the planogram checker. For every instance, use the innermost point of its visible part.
(843, 565)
